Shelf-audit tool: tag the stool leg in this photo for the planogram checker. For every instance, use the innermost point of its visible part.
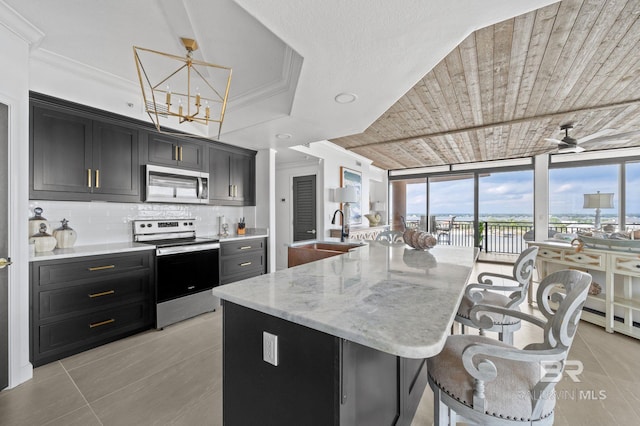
(440, 410)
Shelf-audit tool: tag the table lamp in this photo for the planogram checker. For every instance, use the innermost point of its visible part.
(346, 195)
(598, 201)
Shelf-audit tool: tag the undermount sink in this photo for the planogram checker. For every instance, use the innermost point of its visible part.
(310, 252)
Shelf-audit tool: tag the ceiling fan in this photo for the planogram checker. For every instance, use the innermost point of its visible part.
(603, 137)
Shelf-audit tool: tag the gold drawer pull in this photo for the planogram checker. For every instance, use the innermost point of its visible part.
(97, 178)
(98, 324)
(245, 264)
(104, 293)
(244, 247)
(89, 178)
(100, 268)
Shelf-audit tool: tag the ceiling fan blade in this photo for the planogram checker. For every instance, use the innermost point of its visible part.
(601, 133)
(602, 142)
(571, 150)
(556, 141)
(616, 137)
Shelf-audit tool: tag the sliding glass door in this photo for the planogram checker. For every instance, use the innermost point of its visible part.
(505, 210)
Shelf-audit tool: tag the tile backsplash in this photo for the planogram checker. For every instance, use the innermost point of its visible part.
(101, 222)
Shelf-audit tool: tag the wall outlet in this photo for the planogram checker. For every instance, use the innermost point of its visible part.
(270, 348)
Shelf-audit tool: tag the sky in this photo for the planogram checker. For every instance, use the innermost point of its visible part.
(512, 192)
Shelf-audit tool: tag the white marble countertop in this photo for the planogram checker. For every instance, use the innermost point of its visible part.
(251, 233)
(109, 248)
(391, 298)
(90, 250)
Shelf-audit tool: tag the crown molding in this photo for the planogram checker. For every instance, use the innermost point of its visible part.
(287, 82)
(18, 25)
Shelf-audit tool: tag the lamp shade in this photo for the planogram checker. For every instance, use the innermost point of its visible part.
(598, 201)
(346, 195)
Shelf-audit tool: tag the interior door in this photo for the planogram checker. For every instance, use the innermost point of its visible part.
(304, 208)
(4, 246)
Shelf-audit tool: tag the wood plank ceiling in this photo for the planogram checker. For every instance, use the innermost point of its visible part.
(509, 86)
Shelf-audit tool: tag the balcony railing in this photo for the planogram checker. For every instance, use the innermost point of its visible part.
(500, 237)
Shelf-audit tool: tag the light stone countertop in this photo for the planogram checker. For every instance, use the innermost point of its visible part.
(90, 250)
(110, 248)
(251, 233)
(388, 297)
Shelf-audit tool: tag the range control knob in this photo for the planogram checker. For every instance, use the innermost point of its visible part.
(142, 225)
(185, 224)
(190, 223)
(149, 225)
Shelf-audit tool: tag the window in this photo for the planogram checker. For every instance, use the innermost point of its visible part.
(632, 195)
(567, 187)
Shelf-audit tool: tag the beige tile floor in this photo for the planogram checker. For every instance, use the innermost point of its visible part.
(173, 377)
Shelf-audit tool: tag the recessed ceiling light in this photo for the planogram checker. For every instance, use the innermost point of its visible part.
(283, 136)
(345, 98)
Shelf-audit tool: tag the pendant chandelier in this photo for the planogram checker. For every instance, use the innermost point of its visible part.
(182, 88)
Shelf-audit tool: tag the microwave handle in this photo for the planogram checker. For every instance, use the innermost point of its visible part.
(200, 188)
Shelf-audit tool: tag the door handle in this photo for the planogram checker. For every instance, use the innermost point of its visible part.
(97, 178)
(5, 262)
(180, 153)
(89, 178)
(313, 231)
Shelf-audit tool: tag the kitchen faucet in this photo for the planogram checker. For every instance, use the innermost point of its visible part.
(343, 233)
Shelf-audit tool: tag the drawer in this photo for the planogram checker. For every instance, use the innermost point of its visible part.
(245, 246)
(626, 264)
(94, 295)
(549, 253)
(79, 332)
(95, 267)
(584, 259)
(241, 264)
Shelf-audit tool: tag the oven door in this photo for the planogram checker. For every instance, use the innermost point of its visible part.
(182, 274)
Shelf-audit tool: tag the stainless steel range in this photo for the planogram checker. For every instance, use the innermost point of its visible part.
(186, 268)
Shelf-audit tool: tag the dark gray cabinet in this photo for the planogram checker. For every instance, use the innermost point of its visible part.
(81, 303)
(242, 259)
(320, 379)
(233, 177)
(74, 157)
(168, 150)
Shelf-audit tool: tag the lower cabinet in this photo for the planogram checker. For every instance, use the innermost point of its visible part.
(319, 379)
(81, 303)
(242, 259)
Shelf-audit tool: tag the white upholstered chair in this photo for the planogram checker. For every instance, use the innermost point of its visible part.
(390, 236)
(485, 292)
(486, 381)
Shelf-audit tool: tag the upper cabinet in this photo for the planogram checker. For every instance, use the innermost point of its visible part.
(168, 150)
(233, 177)
(79, 153)
(75, 157)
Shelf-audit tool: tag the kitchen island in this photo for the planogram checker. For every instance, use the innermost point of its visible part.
(341, 340)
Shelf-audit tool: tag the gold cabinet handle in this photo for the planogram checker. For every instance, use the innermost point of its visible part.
(100, 268)
(235, 190)
(5, 262)
(244, 247)
(98, 324)
(245, 264)
(97, 178)
(230, 190)
(89, 178)
(104, 293)
(180, 153)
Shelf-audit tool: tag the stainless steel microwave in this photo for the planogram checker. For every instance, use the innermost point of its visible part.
(171, 185)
